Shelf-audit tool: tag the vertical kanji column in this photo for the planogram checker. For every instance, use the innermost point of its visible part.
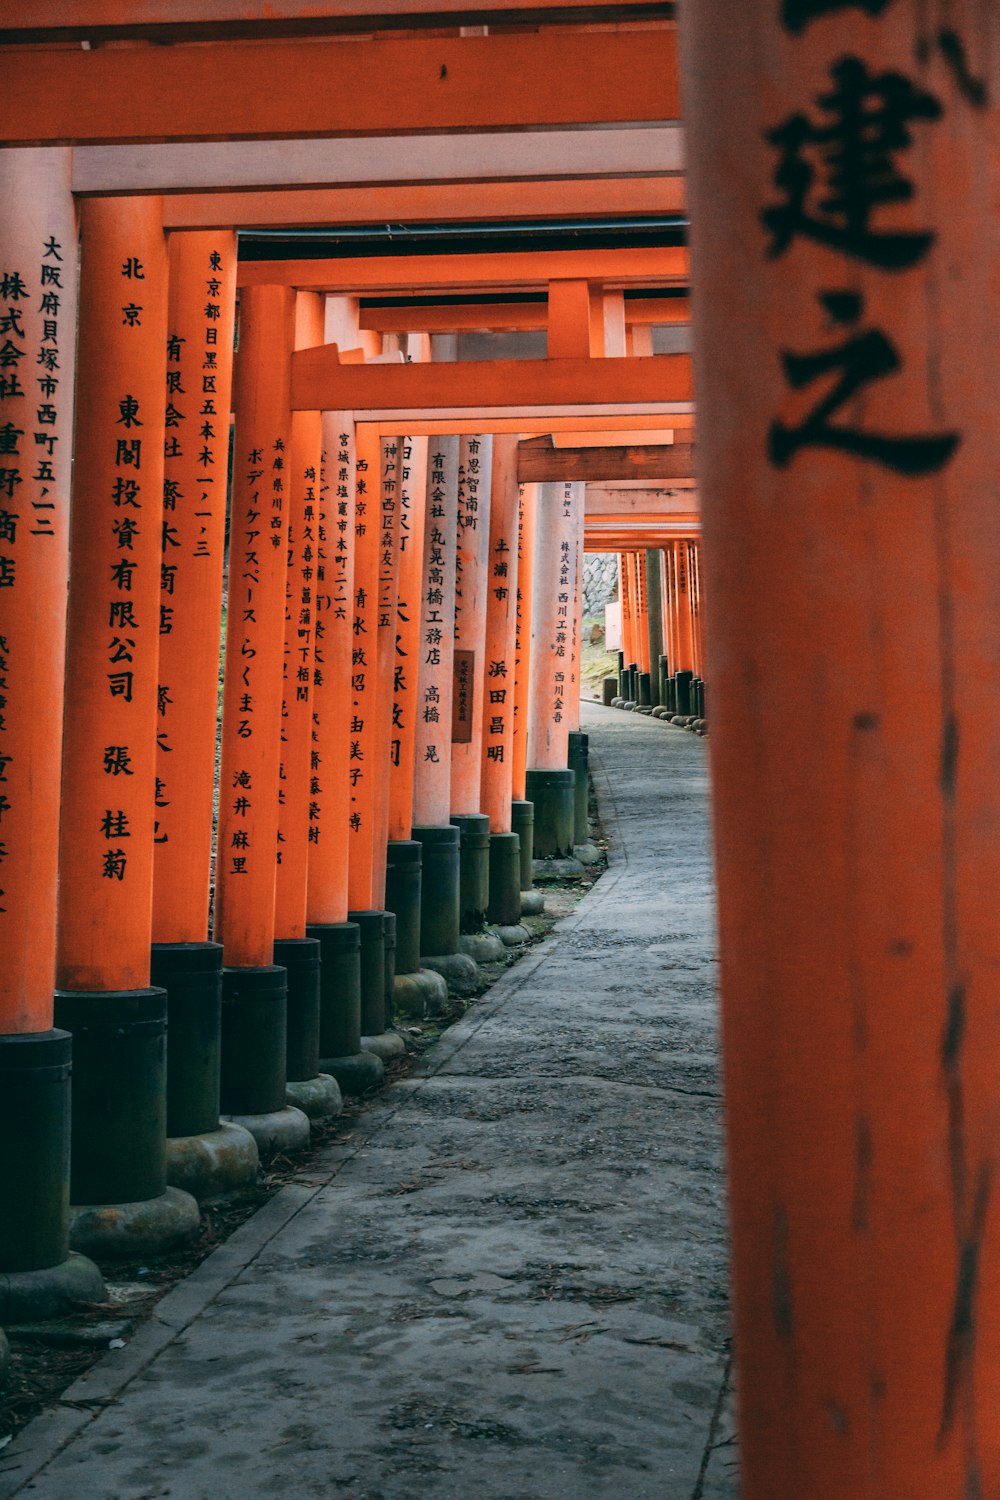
(332, 716)
(550, 785)
(205, 1155)
(316, 1094)
(522, 811)
(628, 625)
(578, 743)
(499, 653)
(38, 300)
(654, 622)
(254, 1004)
(367, 767)
(861, 185)
(474, 482)
(439, 917)
(684, 624)
(109, 748)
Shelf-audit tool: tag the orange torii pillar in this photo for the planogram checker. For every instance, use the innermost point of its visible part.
(550, 785)
(416, 991)
(522, 812)
(367, 765)
(317, 1094)
(862, 1048)
(109, 748)
(38, 298)
(697, 636)
(332, 715)
(440, 899)
(472, 544)
(654, 624)
(499, 651)
(254, 988)
(578, 742)
(684, 622)
(205, 1155)
(630, 666)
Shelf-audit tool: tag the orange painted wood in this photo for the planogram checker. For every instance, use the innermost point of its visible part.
(390, 516)
(332, 712)
(172, 19)
(406, 655)
(627, 595)
(642, 611)
(500, 645)
(109, 747)
(475, 464)
(569, 334)
(584, 465)
(201, 315)
(38, 258)
(860, 603)
(529, 270)
(255, 634)
(267, 90)
(319, 380)
(432, 767)
(301, 587)
(416, 202)
(363, 766)
(527, 515)
(558, 530)
(552, 422)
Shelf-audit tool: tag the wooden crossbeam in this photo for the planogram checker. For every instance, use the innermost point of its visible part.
(321, 383)
(539, 462)
(233, 91)
(419, 203)
(645, 265)
(175, 20)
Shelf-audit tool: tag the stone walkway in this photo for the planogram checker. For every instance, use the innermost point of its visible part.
(511, 1283)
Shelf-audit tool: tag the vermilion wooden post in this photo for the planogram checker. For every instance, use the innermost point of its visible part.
(367, 761)
(863, 1142)
(332, 716)
(522, 811)
(38, 298)
(628, 625)
(500, 648)
(439, 919)
(550, 784)
(204, 1155)
(109, 747)
(654, 621)
(474, 485)
(316, 1094)
(254, 1051)
(578, 743)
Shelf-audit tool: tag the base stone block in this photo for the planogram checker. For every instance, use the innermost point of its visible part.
(514, 935)
(481, 947)
(587, 854)
(532, 903)
(355, 1074)
(277, 1132)
(458, 970)
(318, 1098)
(420, 994)
(124, 1231)
(28, 1296)
(4, 1359)
(214, 1164)
(387, 1045)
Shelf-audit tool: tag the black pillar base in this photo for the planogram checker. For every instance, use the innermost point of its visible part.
(299, 957)
(505, 879)
(371, 925)
(579, 764)
(402, 896)
(474, 869)
(119, 1113)
(340, 1052)
(682, 690)
(554, 796)
(39, 1277)
(191, 974)
(440, 889)
(254, 1022)
(522, 821)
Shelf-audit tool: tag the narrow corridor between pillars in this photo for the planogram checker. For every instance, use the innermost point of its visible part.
(511, 1279)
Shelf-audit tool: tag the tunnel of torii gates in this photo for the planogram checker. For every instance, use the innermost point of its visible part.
(402, 637)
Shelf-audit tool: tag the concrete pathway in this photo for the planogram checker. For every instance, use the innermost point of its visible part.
(511, 1283)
